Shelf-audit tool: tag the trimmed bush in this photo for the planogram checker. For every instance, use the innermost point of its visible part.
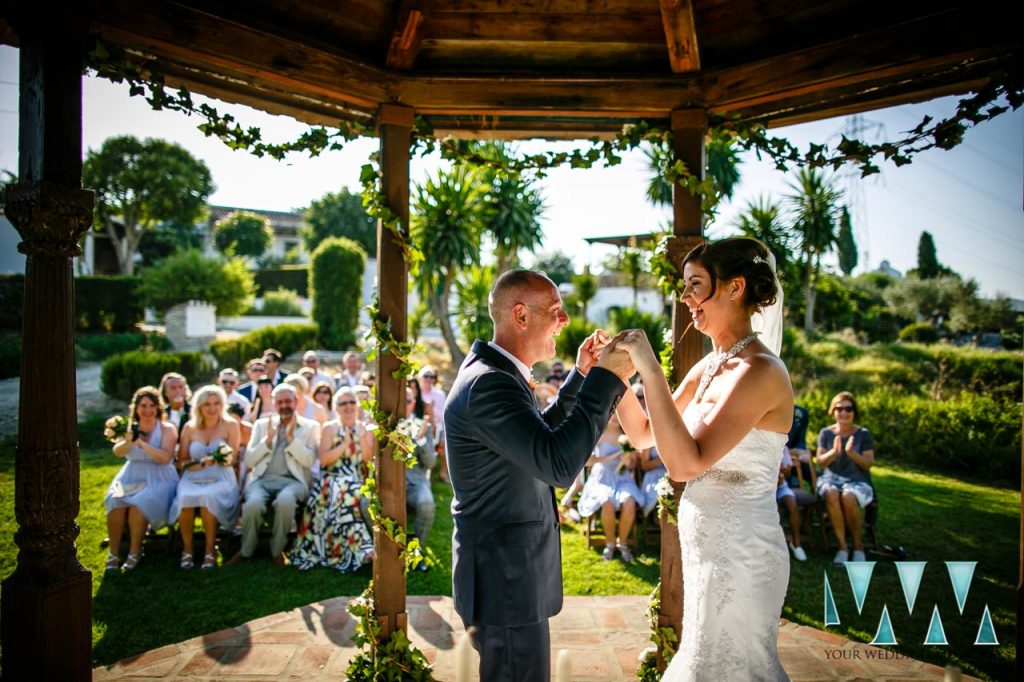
(10, 355)
(280, 303)
(12, 298)
(122, 374)
(102, 346)
(335, 283)
(294, 277)
(969, 434)
(110, 304)
(191, 276)
(919, 331)
(287, 338)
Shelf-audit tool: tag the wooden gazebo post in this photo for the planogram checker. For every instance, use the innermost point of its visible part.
(394, 124)
(46, 610)
(689, 126)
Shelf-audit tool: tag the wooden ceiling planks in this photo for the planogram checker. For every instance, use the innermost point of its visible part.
(680, 35)
(581, 65)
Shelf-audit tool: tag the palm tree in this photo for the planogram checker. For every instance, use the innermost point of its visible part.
(815, 208)
(516, 208)
(722, 161)
(585, 288)
(762, 220)
(450, 213)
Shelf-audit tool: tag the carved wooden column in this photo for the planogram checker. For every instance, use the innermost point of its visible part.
(46, 605)
(394, 124)
(689, 127)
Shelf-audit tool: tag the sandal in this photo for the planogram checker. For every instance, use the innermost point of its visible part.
(113, 563)
(186, 561)
(209, 561)
(131, 562)
(627, 556)
(609, 552)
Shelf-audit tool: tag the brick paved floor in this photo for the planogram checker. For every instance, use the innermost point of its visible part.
(604, 637)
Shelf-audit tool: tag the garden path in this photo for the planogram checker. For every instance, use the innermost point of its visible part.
(90, 398)
(604, 637)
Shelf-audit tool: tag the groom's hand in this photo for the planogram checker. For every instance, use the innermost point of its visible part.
(590, 350)
(617, 360)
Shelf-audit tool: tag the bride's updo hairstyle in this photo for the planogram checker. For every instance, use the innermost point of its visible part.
(739, 257)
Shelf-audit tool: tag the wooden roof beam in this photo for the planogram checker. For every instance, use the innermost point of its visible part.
(407, 33)
(681, 35)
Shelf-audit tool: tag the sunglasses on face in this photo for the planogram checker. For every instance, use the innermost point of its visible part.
(844, 408)
(228, 382)
(323, 390)
(429, 376)
(346, 402)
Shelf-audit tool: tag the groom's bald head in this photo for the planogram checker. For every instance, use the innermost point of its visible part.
(517, 286)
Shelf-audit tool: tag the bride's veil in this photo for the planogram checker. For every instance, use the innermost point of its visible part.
(767, 322)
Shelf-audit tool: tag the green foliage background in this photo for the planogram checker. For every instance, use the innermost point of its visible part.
(189, 275)
(335, 283)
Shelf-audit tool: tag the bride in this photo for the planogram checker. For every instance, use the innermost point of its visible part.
(723, 431)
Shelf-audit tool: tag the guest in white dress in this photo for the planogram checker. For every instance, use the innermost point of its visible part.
(611, 487)
(206, 484)
(142, 491)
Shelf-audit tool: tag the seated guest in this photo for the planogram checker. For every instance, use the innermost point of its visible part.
(263, 403)
(797, 441)
(418, 496)
(363, 395)
(143, 489)
(254, 369)
(272, 359)
(228, 380)
(332, 532)
(209, 485)
(847, 453)
(611, 488)
(279, 456)
(306, 407)
(175, 393)
(352, 368)
(558, 369)
(323, 394)
(421, 408)
(786, 498)
(650, 463)
(368, 379)
(310, 360)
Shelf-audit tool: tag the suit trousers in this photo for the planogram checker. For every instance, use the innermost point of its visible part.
(285, 493)
(513, 654)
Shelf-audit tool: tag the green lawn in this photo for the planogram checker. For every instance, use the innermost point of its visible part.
(936, 518)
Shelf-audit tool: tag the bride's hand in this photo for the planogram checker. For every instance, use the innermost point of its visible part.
(636, 343)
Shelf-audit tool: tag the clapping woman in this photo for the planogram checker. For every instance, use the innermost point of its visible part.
(143, 489)
(332, 532)
(208, 445)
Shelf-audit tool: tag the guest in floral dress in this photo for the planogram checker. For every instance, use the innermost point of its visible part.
(208, 445)
(332, 532)
(142, 491)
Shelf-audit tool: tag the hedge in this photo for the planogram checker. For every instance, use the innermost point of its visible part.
(287, 338)
(10, 355)
(123, 373)
(969, 434)
(336, 282)
(294, 277)
(101, 303)
(94, 347)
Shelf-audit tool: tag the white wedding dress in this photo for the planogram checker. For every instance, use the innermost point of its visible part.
(735, 564)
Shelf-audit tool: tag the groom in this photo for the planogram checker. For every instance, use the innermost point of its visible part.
(504, 457)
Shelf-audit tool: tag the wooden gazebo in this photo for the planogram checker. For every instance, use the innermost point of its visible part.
(555, 69)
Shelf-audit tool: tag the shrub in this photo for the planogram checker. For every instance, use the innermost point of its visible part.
(287, 338)
(919, 331)
(573, 334)
(294, 277)
(631, 318)
(108, 303)
(970, 433)
(243, 233)
(12, 298)
(122, 374)
(10, 355)
(335, 283)
(101, 346)
(189, 275)
(281, 303)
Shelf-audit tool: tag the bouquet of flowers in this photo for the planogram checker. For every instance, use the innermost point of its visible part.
(222, 455)
(628, 454)
(115, 428)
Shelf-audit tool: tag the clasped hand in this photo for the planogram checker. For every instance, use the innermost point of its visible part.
(620, 355)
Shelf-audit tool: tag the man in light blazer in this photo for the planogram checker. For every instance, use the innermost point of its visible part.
(504, 459)
(279, 456)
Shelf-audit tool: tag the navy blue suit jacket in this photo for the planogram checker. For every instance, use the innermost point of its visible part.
(504, 457)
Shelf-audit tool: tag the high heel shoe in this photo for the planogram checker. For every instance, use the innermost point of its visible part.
(131, 562)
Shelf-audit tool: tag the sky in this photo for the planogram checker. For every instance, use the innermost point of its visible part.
(971, 199)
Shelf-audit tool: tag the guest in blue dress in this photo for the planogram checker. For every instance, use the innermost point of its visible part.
(142, 491)
(208, 481)
(611, 487)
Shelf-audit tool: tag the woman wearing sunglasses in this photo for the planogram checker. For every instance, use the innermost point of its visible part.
(846, 451)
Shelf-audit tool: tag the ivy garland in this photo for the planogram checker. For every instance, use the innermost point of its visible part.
(665, 641)
(396, 658)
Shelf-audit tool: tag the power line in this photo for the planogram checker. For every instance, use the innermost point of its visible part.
(968, 183)
(979, 131)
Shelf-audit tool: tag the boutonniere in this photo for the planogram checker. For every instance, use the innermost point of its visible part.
(533, 383)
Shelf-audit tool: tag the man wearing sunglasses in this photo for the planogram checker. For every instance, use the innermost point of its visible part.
(228, 380)
(254, 369)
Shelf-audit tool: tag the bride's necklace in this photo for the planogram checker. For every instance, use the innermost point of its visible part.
(716, 363)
